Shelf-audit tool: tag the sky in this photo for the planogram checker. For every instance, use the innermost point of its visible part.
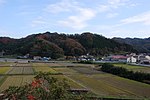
(110, 18)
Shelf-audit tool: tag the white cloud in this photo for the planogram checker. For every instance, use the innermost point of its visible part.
(38, 22)
(115, 4)
(63, 6)
(79, 16)
(111, 15)
(79, 21)
(103, 8)
(143, 18)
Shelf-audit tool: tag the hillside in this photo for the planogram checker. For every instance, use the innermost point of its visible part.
(57, 45)
(141, 45)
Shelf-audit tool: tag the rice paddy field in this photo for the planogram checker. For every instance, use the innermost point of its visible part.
(78, 76)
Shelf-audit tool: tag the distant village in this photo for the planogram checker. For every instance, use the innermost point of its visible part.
(133, 58)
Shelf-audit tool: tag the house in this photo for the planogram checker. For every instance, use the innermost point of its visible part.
(116, 58)
(142, 58)
(37, 58)
(45, 58)
(131, 59)
(86, 58)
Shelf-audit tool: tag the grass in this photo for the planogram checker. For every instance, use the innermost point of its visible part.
(132, 87)
(2, 79)
(111, 85)
(72, 83)
(128, 66)
(44, 69)
(15, 81)
(3, 70)
(134, 67)
(82, 76)
(16, 70)
(65, 70)
(96, 86)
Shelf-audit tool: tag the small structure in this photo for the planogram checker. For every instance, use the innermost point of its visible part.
(37, 58)
(116, 58)
(143, 59)
(45, 58)
(131, 59)
(86, 58)
(78, 91)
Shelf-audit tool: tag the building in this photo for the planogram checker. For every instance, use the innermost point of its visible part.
(86, 58)
(116, 58)
(131, 59)
(37, 58)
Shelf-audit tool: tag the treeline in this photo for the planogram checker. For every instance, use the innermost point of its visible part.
(56, 45)
(122, 72)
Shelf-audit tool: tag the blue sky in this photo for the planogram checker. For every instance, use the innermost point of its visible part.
(110, 18)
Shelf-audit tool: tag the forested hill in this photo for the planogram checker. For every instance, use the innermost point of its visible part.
(141, 45)
(56, 45)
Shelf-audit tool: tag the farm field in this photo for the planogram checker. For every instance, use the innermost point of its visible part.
(134, 67)
(6, 64)
(21, 70)
(44, 68)
(3, 70)
(79, 77)
(15, 81)
(73, 84)
(104, 84)
(65, 70)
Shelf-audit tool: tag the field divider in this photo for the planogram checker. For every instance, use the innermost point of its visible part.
(23, 70)
(3, 80)
(9, 70)
(76, 82)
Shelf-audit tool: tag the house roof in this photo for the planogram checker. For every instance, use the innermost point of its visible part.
(119, 57)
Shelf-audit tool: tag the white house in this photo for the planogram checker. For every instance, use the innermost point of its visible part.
(131, 59)
(37, 58)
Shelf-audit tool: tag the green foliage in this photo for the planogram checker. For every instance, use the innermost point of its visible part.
(120, 71)
(99, 45)
(141, 45)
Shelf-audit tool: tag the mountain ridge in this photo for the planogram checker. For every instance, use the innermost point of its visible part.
(140, 44)
(57, 45)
